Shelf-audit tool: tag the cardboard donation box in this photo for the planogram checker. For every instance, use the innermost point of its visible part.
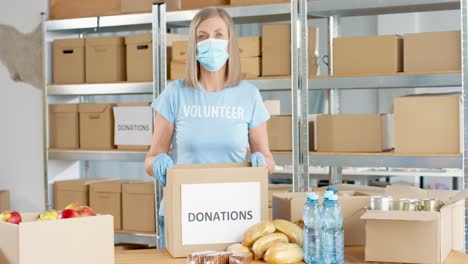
(209, 207)
(69, 61)
(106, 198)
(416, 236)
(139, 58)
(105, 60)
(352, 199)
(368, 55)
(279, 133)
(138, 212)
(354, 133)
(432, 51)
(133, 128)
(96, 126)
(72, 191)
(72, 241)
(428, 124)
(64, 126)
(4, 201)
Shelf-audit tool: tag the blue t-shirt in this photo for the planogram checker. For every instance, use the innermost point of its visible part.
(211, 127)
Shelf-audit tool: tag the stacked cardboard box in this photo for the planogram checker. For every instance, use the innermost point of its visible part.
(64, 126)
(179, 60)
(139, 58)
(279, 133)
(250, 56)
(105, 60)
(96, 126)
(68, 61)
(73, 191)
(138, 209)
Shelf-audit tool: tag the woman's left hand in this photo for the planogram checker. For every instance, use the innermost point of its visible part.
(258, 160)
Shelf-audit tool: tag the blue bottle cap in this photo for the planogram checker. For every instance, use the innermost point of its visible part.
(333, 197)
(312, 196)
(326, 194)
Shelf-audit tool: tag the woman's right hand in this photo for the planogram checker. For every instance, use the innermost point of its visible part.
(161, 163)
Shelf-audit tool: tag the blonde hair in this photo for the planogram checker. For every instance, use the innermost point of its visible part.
(233, 69)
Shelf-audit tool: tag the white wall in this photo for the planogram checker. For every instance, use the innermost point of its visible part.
(21, 119)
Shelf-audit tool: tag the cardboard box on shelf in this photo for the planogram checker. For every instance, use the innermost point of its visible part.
(105, 60)
(63, 9)
(133, 127)
(68, 61)
(273, 107)
(375, 54)
(56, 242)
(138, 6)
(96, 126)
(432, 51)
(4, 200)
(177, 70)
(422, 237)
(209, 207)
(428, 124)
(355, 133)
(105, 197)
(250, 47)
(64, 126)
(251, 67)
(353, 200)
(139, 58)
(179, 50)
(138, 210)
(276, 50)
(190, 4)
(279, 133)
(72, 191)
(256, 2)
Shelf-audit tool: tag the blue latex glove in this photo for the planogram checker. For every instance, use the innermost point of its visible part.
(160, 165)
(258, 160)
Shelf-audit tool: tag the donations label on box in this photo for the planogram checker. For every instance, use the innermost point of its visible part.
(200, 212)
(133, 125)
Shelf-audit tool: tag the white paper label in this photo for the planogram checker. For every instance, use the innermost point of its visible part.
(133, 125)
(218, 213)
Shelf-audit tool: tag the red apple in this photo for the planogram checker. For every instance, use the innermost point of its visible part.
(68, 213)
(86, 211)
(11, 217)
(73, 206)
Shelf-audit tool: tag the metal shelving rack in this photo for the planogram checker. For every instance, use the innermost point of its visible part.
(297, 12)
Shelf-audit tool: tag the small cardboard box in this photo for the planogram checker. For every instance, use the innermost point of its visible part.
(177, 70)
(105, 197)
(64, 126)
(367, 55)
(4, 200)
(432, 51)
(256, 2)
(428, 124)
(96, 126)
(416, 237)
(139, 58)
(57, 242)
(250, 47)
(276, 50)
(279, 133)
(72, 191)
(138, 210)
(354, 133)
(133, 126)
(179, 50)
(273, 107)
(210, 206)
(62, 9)
(105, 60)
(353, 200)
(277, 188)
(190, 4)
(138, 6)
(68, 61)
(251, 67)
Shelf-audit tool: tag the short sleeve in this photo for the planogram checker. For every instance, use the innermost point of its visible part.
(166, 104)
(259, 114)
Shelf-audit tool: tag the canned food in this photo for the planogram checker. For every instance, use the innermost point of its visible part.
(380, 203)
(410, 205)
(431, 205)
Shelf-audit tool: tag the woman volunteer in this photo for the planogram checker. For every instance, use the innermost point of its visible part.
(211, 116)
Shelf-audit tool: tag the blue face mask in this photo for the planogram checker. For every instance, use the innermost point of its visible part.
(212, 54)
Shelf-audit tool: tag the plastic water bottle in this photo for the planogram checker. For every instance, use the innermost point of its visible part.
(311, 245)
(333, 239)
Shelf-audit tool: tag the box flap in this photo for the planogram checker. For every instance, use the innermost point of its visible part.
(69, 43)
(138, 188)
(212, 166)
(63, 108)
(400, 192)
(106, 186)
(400, 216)
(105, 41)
(132, 104)
(460, 196)
(360, 188)
(77, 185)
(432, 95)
(94, 108)
(139, 39)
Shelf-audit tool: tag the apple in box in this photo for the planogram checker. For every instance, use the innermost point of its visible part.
(11, 217)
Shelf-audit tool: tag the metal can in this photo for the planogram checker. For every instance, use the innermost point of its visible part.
(374, 202)
(381, 203)
(409, 205)
(431, 205)
(403, 203)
